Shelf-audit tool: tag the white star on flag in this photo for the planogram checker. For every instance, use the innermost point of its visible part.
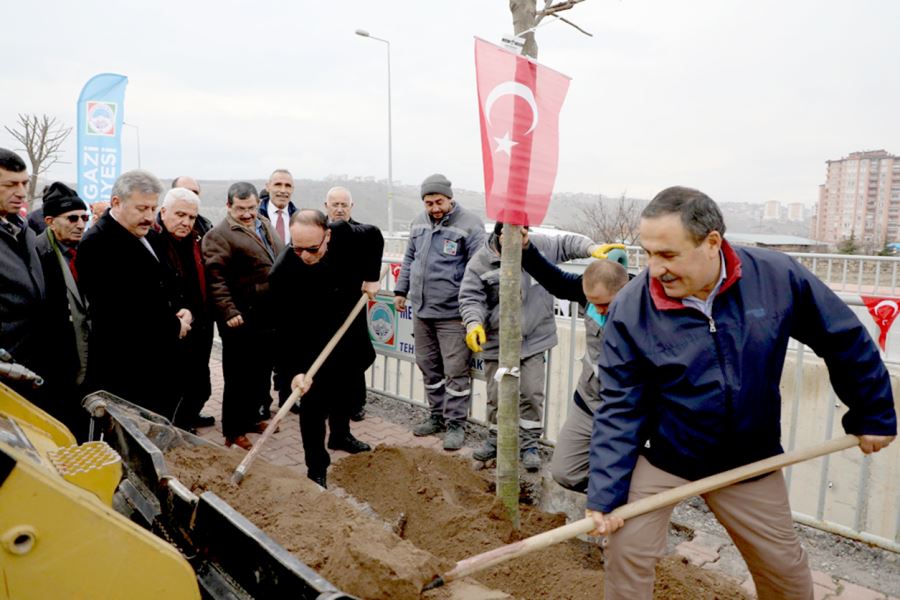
(505, 144)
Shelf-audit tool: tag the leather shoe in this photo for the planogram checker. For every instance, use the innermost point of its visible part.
(318, 479)
(261, 427)
(205, 421)
(349, 444)
(241, 441)
(358, 415)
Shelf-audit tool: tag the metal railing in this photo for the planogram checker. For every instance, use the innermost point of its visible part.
(394, 375)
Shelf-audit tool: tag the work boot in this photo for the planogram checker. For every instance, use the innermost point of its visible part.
(205, 421)
(318, 478)
(455, 436)
(349, 444)
(358, 415)
(531, 459)
(433, 424)
(240, 441)
(486, 452)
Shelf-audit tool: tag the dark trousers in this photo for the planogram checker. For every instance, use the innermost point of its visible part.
(194, 379)
(329, 399)
(247, 371)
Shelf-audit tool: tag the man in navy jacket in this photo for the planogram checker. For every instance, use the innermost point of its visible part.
(690, 369)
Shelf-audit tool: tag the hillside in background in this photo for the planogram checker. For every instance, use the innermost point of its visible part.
(370, 204)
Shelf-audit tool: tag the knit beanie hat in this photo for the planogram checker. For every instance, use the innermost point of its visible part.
(437, 184)
(60, 198)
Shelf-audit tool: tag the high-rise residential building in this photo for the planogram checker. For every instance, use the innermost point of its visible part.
(772, 211)
(796, 210)
(860, 197)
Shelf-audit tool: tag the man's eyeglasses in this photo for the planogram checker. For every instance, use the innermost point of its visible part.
(310, 249)
(76, 218)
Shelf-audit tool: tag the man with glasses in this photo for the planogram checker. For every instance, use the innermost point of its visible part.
(319, 282)
(63, 362)
(239, 252)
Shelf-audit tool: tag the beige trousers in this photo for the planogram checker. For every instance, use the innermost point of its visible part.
(756, 515)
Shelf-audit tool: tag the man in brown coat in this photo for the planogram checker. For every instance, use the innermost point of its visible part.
(238, 253)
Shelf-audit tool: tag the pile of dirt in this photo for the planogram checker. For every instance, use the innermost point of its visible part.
(443, 512)
(354, 552)
(450, 511)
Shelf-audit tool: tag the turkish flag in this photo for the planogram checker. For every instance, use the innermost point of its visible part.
(395, 271)
(518, 104)
(884, 311)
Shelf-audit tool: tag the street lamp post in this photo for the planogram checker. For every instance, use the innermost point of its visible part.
(137, 131)
(390, 203)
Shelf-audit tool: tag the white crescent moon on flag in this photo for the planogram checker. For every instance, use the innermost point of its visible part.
(889, 304)
(512, 88)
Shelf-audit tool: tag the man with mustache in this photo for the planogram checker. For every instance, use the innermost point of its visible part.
(690, 368)
(278, 208)
(238, 253)
(21, 275)
(136, 314)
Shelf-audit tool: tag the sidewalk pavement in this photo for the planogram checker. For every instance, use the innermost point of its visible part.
(286, 449)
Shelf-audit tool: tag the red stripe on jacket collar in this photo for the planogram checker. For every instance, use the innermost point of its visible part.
(732, 274)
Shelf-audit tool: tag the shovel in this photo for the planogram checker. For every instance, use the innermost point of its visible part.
(485, 560)
(242, 468)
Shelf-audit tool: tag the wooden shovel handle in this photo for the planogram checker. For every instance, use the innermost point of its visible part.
(480, 562)
(242, 468)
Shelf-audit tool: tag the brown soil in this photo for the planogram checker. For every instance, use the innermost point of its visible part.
(353, 552)
(444, 511)
(450, 511)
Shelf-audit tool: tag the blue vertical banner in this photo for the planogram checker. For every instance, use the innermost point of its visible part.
(101, 111)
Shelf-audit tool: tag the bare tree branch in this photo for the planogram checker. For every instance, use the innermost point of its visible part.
(568, 22)
(555, 8)
(42, 138)
(610, 220)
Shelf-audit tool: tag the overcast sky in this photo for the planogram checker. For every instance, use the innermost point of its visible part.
(745, 100)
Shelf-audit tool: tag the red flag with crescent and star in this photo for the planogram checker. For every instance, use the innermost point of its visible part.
(884, 311)
(518, 103)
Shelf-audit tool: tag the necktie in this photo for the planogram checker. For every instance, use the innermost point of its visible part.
(72, 253)
(279, 224)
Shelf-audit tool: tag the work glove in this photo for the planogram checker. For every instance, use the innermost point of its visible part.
(475, 336)
(613, 252)
(602, 250)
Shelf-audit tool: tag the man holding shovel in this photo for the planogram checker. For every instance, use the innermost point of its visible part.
(690, 370)
(318, 280)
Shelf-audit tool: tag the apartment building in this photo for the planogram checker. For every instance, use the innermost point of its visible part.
(860, 197)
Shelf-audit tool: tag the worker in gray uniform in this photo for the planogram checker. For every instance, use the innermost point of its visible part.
(442, 239)
(479, 304)
(594, 290)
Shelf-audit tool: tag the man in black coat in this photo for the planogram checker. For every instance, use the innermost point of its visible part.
(63, 358)
(136, 316)
(319, 279)
(176, 237)
(339, 207)
(21, 276)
